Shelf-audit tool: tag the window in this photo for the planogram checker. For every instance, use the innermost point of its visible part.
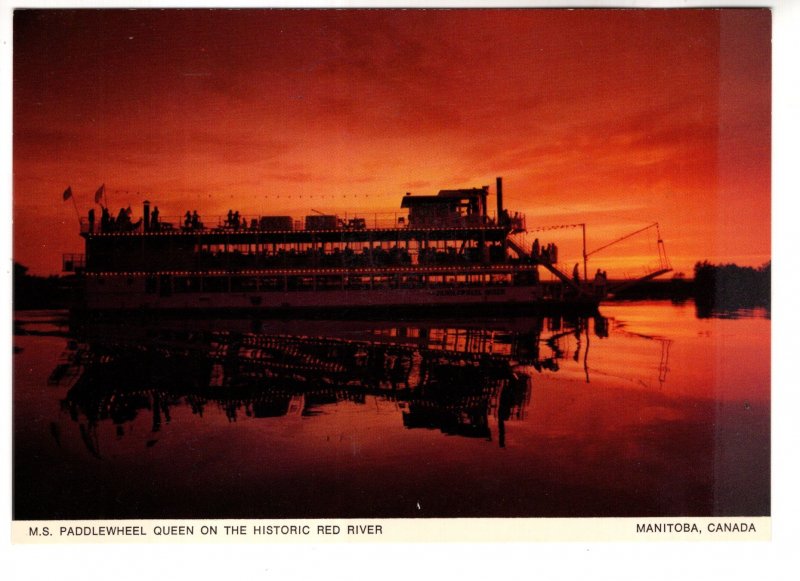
(215, 284)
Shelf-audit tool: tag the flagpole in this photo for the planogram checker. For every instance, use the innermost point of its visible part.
(68, 194)
(77, 213)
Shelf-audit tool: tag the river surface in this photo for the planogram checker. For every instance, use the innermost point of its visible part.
(646, 410)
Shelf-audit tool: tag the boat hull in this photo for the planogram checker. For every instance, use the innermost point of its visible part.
(121, 296)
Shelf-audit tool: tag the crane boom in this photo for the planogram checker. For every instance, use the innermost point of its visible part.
(596, 250)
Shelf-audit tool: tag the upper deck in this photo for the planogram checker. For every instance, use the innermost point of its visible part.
(450, 215)
(452, 228)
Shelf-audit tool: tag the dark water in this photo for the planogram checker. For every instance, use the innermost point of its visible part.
(646, 410)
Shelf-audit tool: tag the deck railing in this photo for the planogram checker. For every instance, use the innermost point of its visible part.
(262, 223)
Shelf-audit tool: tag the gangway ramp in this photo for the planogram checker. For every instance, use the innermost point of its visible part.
(519, 249)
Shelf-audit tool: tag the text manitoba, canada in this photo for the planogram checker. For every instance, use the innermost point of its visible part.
(694, 528)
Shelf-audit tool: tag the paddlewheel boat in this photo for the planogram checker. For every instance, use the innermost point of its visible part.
(439, 252)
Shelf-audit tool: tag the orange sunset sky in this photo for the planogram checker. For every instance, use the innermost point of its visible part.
(613, 118)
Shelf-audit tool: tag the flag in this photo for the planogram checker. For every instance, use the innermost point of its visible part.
(68, 193)
(98, 195)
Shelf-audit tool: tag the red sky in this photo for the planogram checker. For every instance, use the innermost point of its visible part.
(615, 118)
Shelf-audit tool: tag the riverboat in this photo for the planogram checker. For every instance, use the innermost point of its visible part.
(440, 252)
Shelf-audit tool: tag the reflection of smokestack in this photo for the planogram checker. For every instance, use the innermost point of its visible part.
(499, 199)
(146, 216)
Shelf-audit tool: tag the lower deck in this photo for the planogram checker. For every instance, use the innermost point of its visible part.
(309, 291)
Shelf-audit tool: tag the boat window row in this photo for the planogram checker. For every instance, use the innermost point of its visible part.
(223, 284)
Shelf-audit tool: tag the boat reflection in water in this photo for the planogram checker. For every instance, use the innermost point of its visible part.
(462, 380)
(649, 412)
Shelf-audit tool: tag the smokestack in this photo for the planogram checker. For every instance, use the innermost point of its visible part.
(499, 199)
(146, 216)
